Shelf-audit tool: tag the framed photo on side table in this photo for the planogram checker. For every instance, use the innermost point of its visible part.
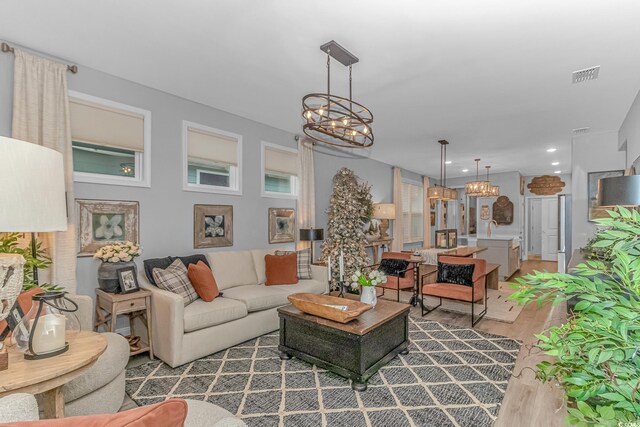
(593, 178)
(127, 279)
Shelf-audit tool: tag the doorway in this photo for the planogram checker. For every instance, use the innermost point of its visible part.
(542, 227)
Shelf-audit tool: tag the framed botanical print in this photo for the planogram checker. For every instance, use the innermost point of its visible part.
(212, 226)
(282, 225)
(593, 179)
(103, 222)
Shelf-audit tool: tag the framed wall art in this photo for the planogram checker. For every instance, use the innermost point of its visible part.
(282, 225)
(212, 226)
(102, 222)
(593, 178)
(484, 212)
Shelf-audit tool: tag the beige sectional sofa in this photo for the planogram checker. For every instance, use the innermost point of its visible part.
(247, 310)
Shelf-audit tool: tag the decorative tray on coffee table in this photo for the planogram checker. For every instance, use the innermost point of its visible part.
(338, 309)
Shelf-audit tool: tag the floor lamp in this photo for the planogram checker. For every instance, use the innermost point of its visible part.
(311, 235)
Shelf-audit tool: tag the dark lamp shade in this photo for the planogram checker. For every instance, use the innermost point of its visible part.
(311, 234)
(619, 191)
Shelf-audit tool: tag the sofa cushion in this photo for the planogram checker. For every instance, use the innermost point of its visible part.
(175, 278)
(201, 314)
(258, 261)
(151, 263)
(281, 269)
(191, 259)
(304, 262)
(109, 365)
(306, 286)
(203, 282)
(258, 297)
(233, 269)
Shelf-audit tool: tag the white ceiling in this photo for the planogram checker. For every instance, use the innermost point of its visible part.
(492, 77)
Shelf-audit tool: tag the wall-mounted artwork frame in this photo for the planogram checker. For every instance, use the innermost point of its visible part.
(282, 225)
(594, 212)
(212, 226)
(103, 222)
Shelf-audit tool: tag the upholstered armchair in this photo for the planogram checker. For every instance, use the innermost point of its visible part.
(471, 293)
(399, 275)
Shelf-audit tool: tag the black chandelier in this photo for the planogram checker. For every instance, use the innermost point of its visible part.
(333, 119)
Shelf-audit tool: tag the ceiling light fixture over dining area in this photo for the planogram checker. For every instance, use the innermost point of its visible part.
(441, 192)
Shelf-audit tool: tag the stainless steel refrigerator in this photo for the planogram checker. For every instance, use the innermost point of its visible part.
(564, 232)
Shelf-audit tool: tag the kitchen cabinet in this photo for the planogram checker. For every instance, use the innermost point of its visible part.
(504, 251)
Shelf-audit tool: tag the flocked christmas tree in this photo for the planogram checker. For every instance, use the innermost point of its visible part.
(350, 206)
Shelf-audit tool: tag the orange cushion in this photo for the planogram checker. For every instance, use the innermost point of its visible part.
(201, 277)
(281, 269)
(170, 413)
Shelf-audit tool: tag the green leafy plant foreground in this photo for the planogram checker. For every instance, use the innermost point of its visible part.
(10, 244)
(598, 350)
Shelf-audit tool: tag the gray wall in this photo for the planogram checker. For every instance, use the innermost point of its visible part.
(166, 211)
(629, 133)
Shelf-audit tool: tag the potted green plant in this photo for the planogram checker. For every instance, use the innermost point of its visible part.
(115, 257)
(10, 244)
(597, 351)
(368, 282)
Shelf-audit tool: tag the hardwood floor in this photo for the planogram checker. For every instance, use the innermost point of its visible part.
(527, 402)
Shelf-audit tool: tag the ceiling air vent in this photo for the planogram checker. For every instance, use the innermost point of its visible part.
(586, 74)
(580, 131)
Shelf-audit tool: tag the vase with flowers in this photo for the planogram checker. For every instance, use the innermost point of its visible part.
(114, 257)
(367, 283)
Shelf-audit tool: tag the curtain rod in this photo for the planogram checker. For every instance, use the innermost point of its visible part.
(8, 49)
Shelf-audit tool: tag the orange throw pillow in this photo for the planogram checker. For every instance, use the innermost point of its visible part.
(170, 413)
(201, 277)
(281, 269)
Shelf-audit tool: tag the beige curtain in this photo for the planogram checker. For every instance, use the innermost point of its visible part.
(398, 235)
(306, 190)
(426, 214)
(41, 116)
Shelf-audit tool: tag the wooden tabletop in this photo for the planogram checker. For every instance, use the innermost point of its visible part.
(366, 322)
(37, 376)
(463, 252)
(122, 297)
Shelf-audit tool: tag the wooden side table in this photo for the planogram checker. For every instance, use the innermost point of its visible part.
(133, 305)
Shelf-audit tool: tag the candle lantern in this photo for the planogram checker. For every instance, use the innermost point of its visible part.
(44, 330)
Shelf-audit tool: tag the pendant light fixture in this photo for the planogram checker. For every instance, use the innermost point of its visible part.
(492, 190)
(441, 192)
(333, 119)
(477, 188)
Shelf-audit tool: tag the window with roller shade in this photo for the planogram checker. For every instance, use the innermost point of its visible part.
(110, 141)
(279, 171)
(212, 159)
(412, 211)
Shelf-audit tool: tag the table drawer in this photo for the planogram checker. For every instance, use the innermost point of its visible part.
(131, 305)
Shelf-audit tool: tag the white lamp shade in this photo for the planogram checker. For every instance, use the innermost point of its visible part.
(32, 194)
(384, 211)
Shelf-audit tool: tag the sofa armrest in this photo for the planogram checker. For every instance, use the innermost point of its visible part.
(167, 313)
(85, 310)
(18, 407)
(319, 273)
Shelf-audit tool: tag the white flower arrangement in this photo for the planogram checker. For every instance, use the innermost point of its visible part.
(374, 278)
(118, 252)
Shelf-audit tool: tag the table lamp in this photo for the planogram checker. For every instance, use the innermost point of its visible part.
(32, 199)
(311, 235)
(384, 212)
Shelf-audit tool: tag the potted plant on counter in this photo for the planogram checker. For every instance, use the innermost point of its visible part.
(597, 351)
(115, 257)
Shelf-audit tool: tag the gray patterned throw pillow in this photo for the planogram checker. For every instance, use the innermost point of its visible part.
(175, 279)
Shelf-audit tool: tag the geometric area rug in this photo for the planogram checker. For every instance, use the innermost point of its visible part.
(452, 376)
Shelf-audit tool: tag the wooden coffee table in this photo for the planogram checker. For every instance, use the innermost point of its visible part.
(48, 376)
(354, 350)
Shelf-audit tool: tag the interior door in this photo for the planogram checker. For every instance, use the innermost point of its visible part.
(535, 226)
(550, 229)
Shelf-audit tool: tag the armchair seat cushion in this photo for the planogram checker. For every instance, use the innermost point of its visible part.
(452, 291)
(258, 297)
(393, 282)
(201, 314)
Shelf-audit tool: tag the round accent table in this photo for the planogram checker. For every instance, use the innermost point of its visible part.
(48, 376)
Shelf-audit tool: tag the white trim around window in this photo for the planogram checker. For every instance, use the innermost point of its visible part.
(235, 178)
(142, 160)
(294, 179)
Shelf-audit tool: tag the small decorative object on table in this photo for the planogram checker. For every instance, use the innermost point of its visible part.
(127, 279)
(48, 325)
(446, 238)
(338, 309)
(115, 257)
(368, 282)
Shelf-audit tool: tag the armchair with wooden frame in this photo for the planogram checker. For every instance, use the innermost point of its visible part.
(400, 279)
(471, 294)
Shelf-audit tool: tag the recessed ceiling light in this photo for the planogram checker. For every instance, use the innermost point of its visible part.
(551, 150)
(557, 172)
(555, 163)
(465, 170)
(448, 162)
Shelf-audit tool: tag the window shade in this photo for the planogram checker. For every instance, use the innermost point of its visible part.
(97, 124)
(203, 145)
(280, 161)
